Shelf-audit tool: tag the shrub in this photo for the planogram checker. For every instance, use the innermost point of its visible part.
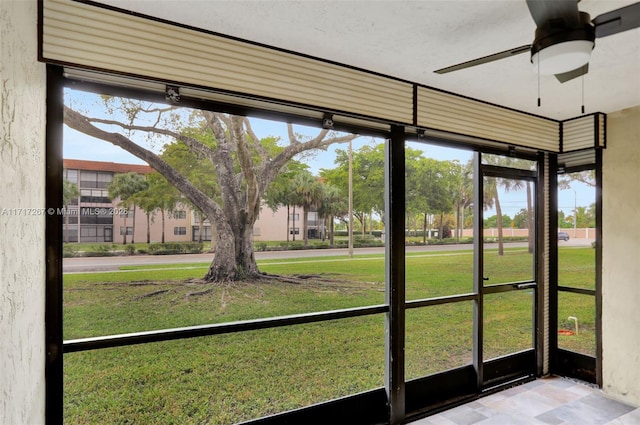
(69, 251)
(101, 250)
(170, 248)
(130, 249)
(261, 246)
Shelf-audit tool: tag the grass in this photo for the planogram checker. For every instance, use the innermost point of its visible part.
(229, 378)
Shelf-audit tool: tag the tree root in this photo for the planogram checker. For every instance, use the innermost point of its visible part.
(198, 293)
(152, 294)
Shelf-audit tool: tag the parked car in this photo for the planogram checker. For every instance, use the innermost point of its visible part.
(563, 236)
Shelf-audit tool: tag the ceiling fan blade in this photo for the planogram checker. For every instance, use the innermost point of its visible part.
(544, 11)
(567, 76)
(619, 20)
(485, 59)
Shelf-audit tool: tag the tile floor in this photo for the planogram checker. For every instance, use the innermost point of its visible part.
(549, 401)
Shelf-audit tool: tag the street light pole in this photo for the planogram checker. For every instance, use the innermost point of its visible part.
(350, 200)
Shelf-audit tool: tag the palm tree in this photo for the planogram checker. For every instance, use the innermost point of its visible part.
(309, 191)
(491, 198)
(463, 195)
(125, 186)
(159, 195)
(331, 204)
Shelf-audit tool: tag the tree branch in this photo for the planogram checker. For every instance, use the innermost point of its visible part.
(264, 155)
(254, 191)
(318, 142)
(80, 123)
(192, 143)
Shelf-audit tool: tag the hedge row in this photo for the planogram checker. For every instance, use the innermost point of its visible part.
(169, 248)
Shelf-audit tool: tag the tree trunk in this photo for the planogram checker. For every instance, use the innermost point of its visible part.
(162, 226)
(530, 236)
(201, 228)
(124, 234)
(331, 230)
(458, 230)
(288, 223)
(133, 227)
(148, 227)
(305, 225)
(462, 221)
(499, 225)
(293, 228)
(424, 229)
(234, 259)
(66, 227)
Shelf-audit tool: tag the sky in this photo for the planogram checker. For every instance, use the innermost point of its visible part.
(80, 146)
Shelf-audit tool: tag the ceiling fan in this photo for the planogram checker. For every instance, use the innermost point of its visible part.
(564, 37)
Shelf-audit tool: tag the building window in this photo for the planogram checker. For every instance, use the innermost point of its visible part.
(94, 196)
(180, 215)
(95, 179)
(294, 231)
(88, 178)
(129, 230)
(71, 175)
(195, 235)
(179, 230)
(312, 219)
(103, 180)
(295, 216)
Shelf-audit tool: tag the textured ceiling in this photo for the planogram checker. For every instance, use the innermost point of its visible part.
(410, 39)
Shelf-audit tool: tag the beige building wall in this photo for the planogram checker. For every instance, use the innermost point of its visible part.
(620, 257)
(22, 177)
(272, 225)
(579, 233)
(174, 225)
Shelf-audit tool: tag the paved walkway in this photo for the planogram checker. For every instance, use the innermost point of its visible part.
(550, 401)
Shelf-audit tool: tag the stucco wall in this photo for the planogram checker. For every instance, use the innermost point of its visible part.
(620, 257)
(22, 123)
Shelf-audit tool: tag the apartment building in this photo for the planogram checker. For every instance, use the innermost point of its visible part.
(93, 217)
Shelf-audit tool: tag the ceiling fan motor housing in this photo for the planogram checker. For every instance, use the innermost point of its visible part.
(561, 47)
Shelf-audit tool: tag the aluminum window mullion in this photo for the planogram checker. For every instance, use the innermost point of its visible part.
(395, 274)
(146, 337)
(478, 269)
(54, 390)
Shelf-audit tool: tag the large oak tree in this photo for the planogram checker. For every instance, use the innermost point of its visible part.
(243, 167)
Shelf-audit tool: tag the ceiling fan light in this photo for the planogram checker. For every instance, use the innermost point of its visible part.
(563, 57)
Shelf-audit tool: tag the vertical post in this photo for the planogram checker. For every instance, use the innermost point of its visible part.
(478, 268)
(543, 218)
(552, 283)
(53, 246)
(395, 274)
(351, 200)
(599, 267)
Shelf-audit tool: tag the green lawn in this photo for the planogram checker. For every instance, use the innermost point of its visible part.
(229, 378)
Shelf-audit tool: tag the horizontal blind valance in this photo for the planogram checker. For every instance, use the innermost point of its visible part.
(97, 39)
(89, 36)
(448, 112)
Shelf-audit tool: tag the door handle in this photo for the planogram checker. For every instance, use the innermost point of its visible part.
(526, 285)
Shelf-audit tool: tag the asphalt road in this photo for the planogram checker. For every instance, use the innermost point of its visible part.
(93, 264)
